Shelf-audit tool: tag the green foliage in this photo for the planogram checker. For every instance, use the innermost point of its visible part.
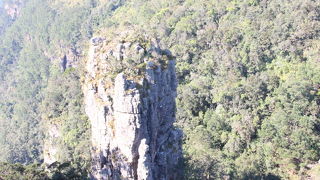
(248, 96)
(248, 83)
(20, 172)
(56, 171)
(30, 44)
(62, 108)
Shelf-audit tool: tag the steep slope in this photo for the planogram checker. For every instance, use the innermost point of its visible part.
(132, 114)
(248, 72)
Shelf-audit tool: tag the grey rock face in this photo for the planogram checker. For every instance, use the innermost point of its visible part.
(70, 59)
(132, 122)
(50, 150)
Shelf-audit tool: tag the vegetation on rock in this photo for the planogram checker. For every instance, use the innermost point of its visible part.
(248, 71)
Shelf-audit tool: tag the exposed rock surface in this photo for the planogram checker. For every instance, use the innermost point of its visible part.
(50, 150)
(69, 59)
(132, 120)
(13, 8)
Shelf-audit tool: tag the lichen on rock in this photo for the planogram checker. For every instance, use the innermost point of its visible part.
(130, 95)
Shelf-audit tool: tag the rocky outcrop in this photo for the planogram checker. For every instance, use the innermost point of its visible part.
(69, 59)
(132, 115)
(50, 149)
(13, 8)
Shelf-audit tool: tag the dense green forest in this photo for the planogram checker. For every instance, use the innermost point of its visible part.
(248, 70)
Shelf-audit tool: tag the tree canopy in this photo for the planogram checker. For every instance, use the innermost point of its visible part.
(248, 71)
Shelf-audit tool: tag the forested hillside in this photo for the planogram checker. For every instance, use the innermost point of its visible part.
(36, 90)
(248, 82)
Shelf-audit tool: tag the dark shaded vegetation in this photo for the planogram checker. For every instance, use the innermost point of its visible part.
(56, 171)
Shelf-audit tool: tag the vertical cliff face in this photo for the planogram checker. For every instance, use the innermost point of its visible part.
(132, 110)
